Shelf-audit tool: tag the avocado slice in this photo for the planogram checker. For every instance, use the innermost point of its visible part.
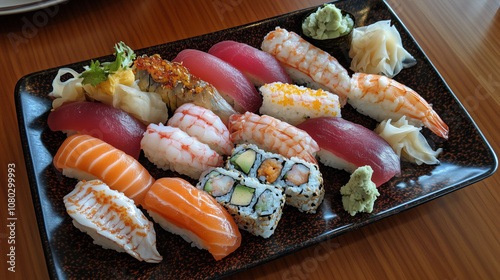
(264, 203)
(242, 195)
(244, 161)
(208, 187)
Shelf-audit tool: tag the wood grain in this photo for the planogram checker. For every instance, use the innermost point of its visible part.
(452, 237)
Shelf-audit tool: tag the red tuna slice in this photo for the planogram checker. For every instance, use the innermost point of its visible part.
(233, 85)
(111, 125)
(355, 144)
(259, 66)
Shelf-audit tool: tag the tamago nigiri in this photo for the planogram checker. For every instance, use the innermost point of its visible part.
(193, 214)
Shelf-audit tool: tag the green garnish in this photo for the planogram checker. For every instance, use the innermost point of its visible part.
(97, 72)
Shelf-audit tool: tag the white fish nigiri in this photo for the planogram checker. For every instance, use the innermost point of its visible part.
(112, 220)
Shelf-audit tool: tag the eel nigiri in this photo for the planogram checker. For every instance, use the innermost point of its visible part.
(383, 98)
(346, 145)
(273, 135)
(170, 148)
(229, 81)
(85, 157)
(112, 220)
(114, 126)
(193, 214)
(260, 67)
(203, 124)
(177, 86)
(307, 63)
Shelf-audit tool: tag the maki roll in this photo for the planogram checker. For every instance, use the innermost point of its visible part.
(303, 184)
(256, 163)
(256, 208)
(301, 180)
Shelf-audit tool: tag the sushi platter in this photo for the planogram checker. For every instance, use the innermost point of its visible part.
(466, 158)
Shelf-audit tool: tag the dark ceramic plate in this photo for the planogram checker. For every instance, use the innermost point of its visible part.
(467, 158)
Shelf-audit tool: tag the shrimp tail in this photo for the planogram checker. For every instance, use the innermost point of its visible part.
(436, 124)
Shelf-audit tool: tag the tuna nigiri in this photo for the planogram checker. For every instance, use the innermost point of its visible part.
(273, 135)
(260, 67)
(170, 148)
(193, 214)
(204, 125)
(177, 86)
(307, 63)
(346, 145)
(85, 157)
(114, 126)
(112, 220)
(229, 81)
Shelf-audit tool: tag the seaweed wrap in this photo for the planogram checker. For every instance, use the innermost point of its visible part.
(256, 207)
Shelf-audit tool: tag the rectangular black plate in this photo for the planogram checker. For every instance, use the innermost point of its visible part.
(467, 158)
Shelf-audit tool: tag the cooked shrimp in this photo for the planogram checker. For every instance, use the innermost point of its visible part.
(272, 135)
(203, 124)
(307, 62)
(382, 98)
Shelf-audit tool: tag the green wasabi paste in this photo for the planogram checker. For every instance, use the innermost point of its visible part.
(360, 193)
(327, 23)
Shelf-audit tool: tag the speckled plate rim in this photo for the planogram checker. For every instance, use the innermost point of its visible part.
(34, 181)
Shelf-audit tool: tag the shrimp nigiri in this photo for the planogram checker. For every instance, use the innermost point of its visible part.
(305, 62)
(193, 214)
(273, 135)
(177, 86)
(170, 148)
(112, 220)
(383, 98)
(203, 124)
(85, 157)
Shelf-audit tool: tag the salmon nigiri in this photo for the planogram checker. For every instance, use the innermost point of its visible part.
(193, 214)
(85, 157)
(112, 220)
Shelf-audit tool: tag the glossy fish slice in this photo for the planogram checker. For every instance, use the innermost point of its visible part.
(347, 145)
(193, 214)
(114, 126)
(112, 220)
(177, 86)
(260, 67)
(85, 157)
(229, 81)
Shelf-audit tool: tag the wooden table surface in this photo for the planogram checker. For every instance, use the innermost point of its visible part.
(453, 237)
